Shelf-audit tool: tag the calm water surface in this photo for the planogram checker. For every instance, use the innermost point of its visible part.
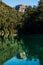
(33, 39)
(15, 61)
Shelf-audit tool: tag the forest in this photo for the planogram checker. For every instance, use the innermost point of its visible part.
(16, 29)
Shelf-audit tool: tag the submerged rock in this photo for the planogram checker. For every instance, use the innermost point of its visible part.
(21, 55)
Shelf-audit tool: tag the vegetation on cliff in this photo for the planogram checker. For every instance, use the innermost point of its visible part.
(16, 29)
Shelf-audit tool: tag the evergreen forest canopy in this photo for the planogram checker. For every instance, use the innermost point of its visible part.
(16, 29)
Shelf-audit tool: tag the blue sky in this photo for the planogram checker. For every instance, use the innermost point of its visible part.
(13, 3)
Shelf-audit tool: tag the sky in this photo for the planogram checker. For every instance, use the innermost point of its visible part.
(13, 3)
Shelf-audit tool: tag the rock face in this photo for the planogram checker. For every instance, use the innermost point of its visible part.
(20, 8)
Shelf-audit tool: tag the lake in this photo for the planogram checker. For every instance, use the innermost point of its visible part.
(34, 43)
(15, 61)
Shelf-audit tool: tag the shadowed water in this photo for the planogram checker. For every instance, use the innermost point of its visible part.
(15, 61)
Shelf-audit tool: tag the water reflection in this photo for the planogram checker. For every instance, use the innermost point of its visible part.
(15, 61)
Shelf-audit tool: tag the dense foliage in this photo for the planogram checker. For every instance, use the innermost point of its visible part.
(33, 19)
(21, 32)
(10, 20)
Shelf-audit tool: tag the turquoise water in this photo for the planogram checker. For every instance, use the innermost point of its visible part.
(15, 61)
